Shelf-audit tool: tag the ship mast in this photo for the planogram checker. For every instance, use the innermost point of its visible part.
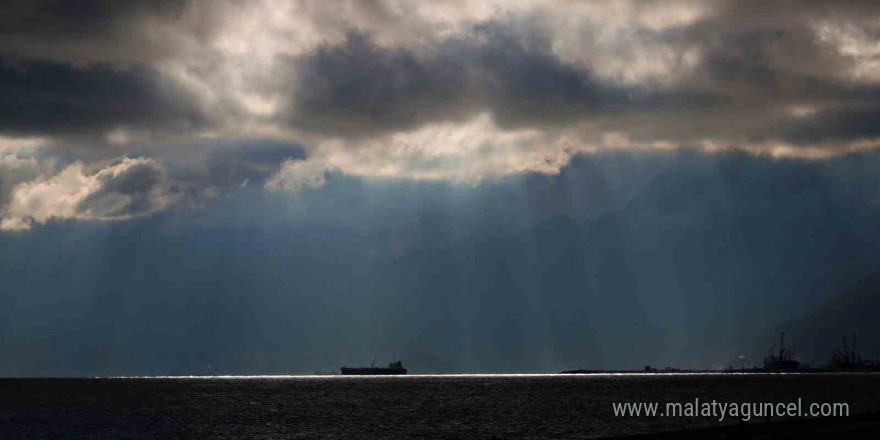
(781, 345)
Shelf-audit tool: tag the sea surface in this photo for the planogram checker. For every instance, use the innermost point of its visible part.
(426, 407)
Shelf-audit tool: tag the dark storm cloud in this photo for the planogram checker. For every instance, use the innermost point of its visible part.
(754, 65)
(46, 98)
(529, 85)
(747, 58)
(74, 70)
(835, 125)
(84, 31)
(772, 64)
(85, 67)
(66, 19)
(768, 56)
(360, 88)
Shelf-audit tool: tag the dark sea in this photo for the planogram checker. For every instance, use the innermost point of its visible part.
(427, 407)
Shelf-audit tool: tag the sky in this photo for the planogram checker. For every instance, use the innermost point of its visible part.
(281, 186)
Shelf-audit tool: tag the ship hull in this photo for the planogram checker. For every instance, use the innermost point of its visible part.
(354, 371)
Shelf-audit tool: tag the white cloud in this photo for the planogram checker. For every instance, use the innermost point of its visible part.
(14, 162)
(860, 46)
(21, 144)
(125, 189)
(14, 224)
(467, 151)
(296, 175)
(618, 40)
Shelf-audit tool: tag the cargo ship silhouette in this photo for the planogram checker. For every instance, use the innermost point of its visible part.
(394, 368)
